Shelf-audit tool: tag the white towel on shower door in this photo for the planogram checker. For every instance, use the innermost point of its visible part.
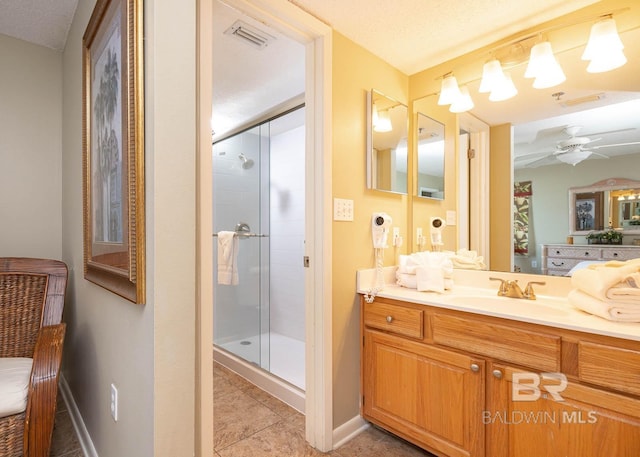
(227, 258)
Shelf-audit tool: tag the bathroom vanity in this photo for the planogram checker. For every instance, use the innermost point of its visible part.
(440, 369)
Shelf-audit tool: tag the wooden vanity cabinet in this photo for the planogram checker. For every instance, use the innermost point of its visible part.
(443, 380)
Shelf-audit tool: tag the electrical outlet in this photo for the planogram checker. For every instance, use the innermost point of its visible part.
(114, 402)
(534, 264)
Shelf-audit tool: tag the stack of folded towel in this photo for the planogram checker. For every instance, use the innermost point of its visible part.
(425, 271)
(610, 290)
(466, 259)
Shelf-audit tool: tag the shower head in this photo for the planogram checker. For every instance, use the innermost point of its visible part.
(246, 163)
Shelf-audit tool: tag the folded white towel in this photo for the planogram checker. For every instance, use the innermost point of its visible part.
(605, 309)
(598, 281)
(469, 260)
(431, 279)
(227, 258)
(406, 280)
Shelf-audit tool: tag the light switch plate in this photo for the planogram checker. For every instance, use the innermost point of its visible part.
(451, 217)
(342, 209)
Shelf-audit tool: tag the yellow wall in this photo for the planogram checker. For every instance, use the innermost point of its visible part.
(500, 204)
(356, 71)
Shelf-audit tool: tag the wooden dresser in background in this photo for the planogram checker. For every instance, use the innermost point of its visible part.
(558, 259)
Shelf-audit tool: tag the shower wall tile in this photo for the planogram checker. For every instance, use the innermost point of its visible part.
(287, 233)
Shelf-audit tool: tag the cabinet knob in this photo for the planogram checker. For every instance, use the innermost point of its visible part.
(475, 367)
(497, 374)
(586, 254)
(389, 319)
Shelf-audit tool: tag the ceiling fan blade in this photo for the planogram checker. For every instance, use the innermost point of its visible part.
(615, 145)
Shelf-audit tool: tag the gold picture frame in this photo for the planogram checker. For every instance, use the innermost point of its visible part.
(113, 148)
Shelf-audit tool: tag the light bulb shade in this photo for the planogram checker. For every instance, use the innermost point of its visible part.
(492, 76)
(573, 157)
(384, 122)
(607, 62)
(449, 91)
(463, 103)
(544, 67)
(505, 91)
(603, 39)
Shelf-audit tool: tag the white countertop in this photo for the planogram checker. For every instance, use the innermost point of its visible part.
(473, 292)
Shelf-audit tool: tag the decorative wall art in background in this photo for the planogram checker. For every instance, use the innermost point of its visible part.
(521, 203)
(588, 211)
(113, 149)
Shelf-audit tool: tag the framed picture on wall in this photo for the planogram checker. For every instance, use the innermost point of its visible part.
(588, 211)
(113, 149)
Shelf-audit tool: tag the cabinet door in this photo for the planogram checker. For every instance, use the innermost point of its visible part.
(585, 422)
(430, 396)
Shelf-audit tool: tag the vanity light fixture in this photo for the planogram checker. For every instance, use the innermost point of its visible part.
(463, 103)
(631, 197)
(621, 197)
(492, 76)
(604, 48)
(449, 90)
(544, 67)
(504, 91)
(383, 124)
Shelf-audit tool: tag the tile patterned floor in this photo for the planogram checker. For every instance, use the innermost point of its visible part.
(250, 422)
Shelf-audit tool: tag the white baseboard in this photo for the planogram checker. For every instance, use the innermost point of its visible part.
(76, 419)
(349, 430)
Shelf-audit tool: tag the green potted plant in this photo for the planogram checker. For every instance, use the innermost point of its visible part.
(594, 237)
(612, 236)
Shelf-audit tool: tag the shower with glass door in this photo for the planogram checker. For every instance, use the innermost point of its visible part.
(258, 194)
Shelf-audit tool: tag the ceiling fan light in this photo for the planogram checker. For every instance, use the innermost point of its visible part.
(573, 157)
(449, 91)
(492, 76)
(607, 62)
(603, 39)
(463, 103)
(384, 122)
(504, 91)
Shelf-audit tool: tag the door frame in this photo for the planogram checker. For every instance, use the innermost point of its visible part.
(317, 38)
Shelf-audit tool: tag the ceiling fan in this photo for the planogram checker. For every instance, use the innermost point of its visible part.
(575, 149)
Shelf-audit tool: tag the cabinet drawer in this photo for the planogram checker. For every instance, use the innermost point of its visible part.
(581, 253)
(622, 254)
(609, 366)
(513, 345)
(562, 264)
(395, 319)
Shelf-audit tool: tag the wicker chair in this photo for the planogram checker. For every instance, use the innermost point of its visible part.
(31, 302)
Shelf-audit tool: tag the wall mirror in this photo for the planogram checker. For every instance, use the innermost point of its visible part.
(387, 158)
(431, 154)
(612, 203)
(600, 109)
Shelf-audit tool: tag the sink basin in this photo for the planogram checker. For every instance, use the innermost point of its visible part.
(534, 308)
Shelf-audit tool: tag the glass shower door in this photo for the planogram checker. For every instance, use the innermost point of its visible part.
(241, 194)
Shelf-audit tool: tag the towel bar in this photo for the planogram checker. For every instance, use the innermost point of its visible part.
(247, 235)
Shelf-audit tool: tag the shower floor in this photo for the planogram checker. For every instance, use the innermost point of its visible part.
(286, 356)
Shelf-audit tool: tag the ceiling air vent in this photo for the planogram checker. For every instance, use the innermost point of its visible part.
(581, 100)
(249, 34)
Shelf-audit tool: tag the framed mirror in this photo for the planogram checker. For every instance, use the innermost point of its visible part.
(613, 202)
(431, 154)
(387, 158)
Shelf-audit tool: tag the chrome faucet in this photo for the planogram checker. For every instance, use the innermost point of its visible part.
(510, 288)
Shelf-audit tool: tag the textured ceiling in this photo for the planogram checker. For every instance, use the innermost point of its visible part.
(42, 22)
(416, 34)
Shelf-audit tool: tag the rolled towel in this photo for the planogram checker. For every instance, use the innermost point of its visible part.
(598, 280)
(627, 290)
(605, 309)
